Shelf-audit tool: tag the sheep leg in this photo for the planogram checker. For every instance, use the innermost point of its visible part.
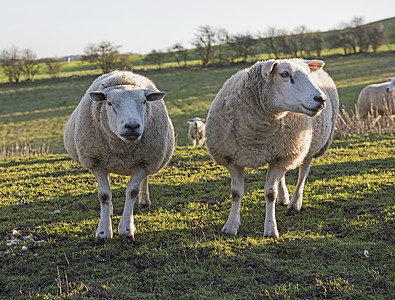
(126, 226)
(193, 143)
(104, 229)
(296, 201)
(237, 188)
(273, 179)
(144, 199)
(283, 195)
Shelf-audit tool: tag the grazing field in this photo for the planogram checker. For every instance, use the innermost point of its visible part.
(340, 246)
(35, 113)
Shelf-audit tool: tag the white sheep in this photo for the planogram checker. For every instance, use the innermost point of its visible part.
(272, 112)
(120, 126)
(196, 131)
(377, 98)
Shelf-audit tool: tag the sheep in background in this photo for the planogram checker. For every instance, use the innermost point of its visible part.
(120, 126)
(378, 99)
(196, 131)
(272, 112)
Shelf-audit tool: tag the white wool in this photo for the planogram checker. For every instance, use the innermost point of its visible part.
(377, 98)
(196, 131)
(272, 113)
(120, 127)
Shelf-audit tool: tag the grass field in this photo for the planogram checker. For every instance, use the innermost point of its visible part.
(35, 113)
(340, 246)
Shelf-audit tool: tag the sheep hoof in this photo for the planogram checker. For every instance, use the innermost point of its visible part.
(291, 211)
(102, 237)
(271, 234)
(128, 238)
(229, 230)
(145, 204)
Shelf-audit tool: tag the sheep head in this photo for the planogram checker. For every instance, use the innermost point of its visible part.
(125, 109)
(294, 88)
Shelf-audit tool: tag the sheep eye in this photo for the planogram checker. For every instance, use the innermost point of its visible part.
(285, 75)
(109, 103)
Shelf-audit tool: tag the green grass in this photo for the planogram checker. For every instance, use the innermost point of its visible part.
(179, 252)
(35, 113)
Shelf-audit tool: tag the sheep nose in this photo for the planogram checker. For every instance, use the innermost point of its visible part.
(320, 99)
(132, 127)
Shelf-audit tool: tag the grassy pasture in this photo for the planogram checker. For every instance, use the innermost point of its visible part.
(35, 113)
(339, 246)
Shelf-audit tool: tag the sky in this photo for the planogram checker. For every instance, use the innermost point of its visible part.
(57, 28)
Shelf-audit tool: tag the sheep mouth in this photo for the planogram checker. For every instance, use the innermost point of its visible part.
(131, 137)
(315, 111)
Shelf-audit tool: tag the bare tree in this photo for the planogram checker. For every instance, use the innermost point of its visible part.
(204, 42)
(55, 66)
(375, 36)
(243, 45)
(270, 41)
(30, 64)
(316, 43)
(179, 53)
(11, 63)
(303, 38)
(106, 56)
(155, 57)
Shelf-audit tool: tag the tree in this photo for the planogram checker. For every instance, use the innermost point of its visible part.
(270, 41)
(30, 64)
(11, 62)
(179, 53)
(106, 56)
(316, 43)
(204, 41)
(375, 36)
(55, 66)
(243, 45)
(155, 57)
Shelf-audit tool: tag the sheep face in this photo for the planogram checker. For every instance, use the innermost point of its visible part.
(390, 87)
(125, 109)
(196, 122)
(294, 86)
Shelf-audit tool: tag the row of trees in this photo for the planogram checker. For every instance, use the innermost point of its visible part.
(218, 46)
(17, 63)
(211, 45)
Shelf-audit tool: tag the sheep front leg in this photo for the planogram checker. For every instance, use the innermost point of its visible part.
(237, 188)
(295, 205)
(273, 179)
(104, 229)
(126, 226)
(144, 199)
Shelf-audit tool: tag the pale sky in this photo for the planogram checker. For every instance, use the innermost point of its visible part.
(65, 27)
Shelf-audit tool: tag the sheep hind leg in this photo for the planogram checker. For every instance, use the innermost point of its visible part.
(104, 229)
(295, 205)
(274, 177)
(126, 226)
(237, 188)
(283, 195)
(144, 199)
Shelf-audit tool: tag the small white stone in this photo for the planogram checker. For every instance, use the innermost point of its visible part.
(15, 232)
(366, 253)
(24, 248)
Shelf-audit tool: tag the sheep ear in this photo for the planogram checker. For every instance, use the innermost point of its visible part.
(315, 65)
(389, 79)
(202, 120)
(268, 67)
(97, 96)
(153, 95)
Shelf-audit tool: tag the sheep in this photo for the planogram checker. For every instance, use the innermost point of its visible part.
(196, 131)
(120, 126)
(378, 99)
(272, 112)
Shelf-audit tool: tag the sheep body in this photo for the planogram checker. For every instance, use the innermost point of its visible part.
(377, 98)
(264, 114)
(120, 126)
(196, 131)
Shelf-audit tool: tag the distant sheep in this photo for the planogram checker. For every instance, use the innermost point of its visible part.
(120, 126)
(196, 131)
(272, 112)
(377, 98)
